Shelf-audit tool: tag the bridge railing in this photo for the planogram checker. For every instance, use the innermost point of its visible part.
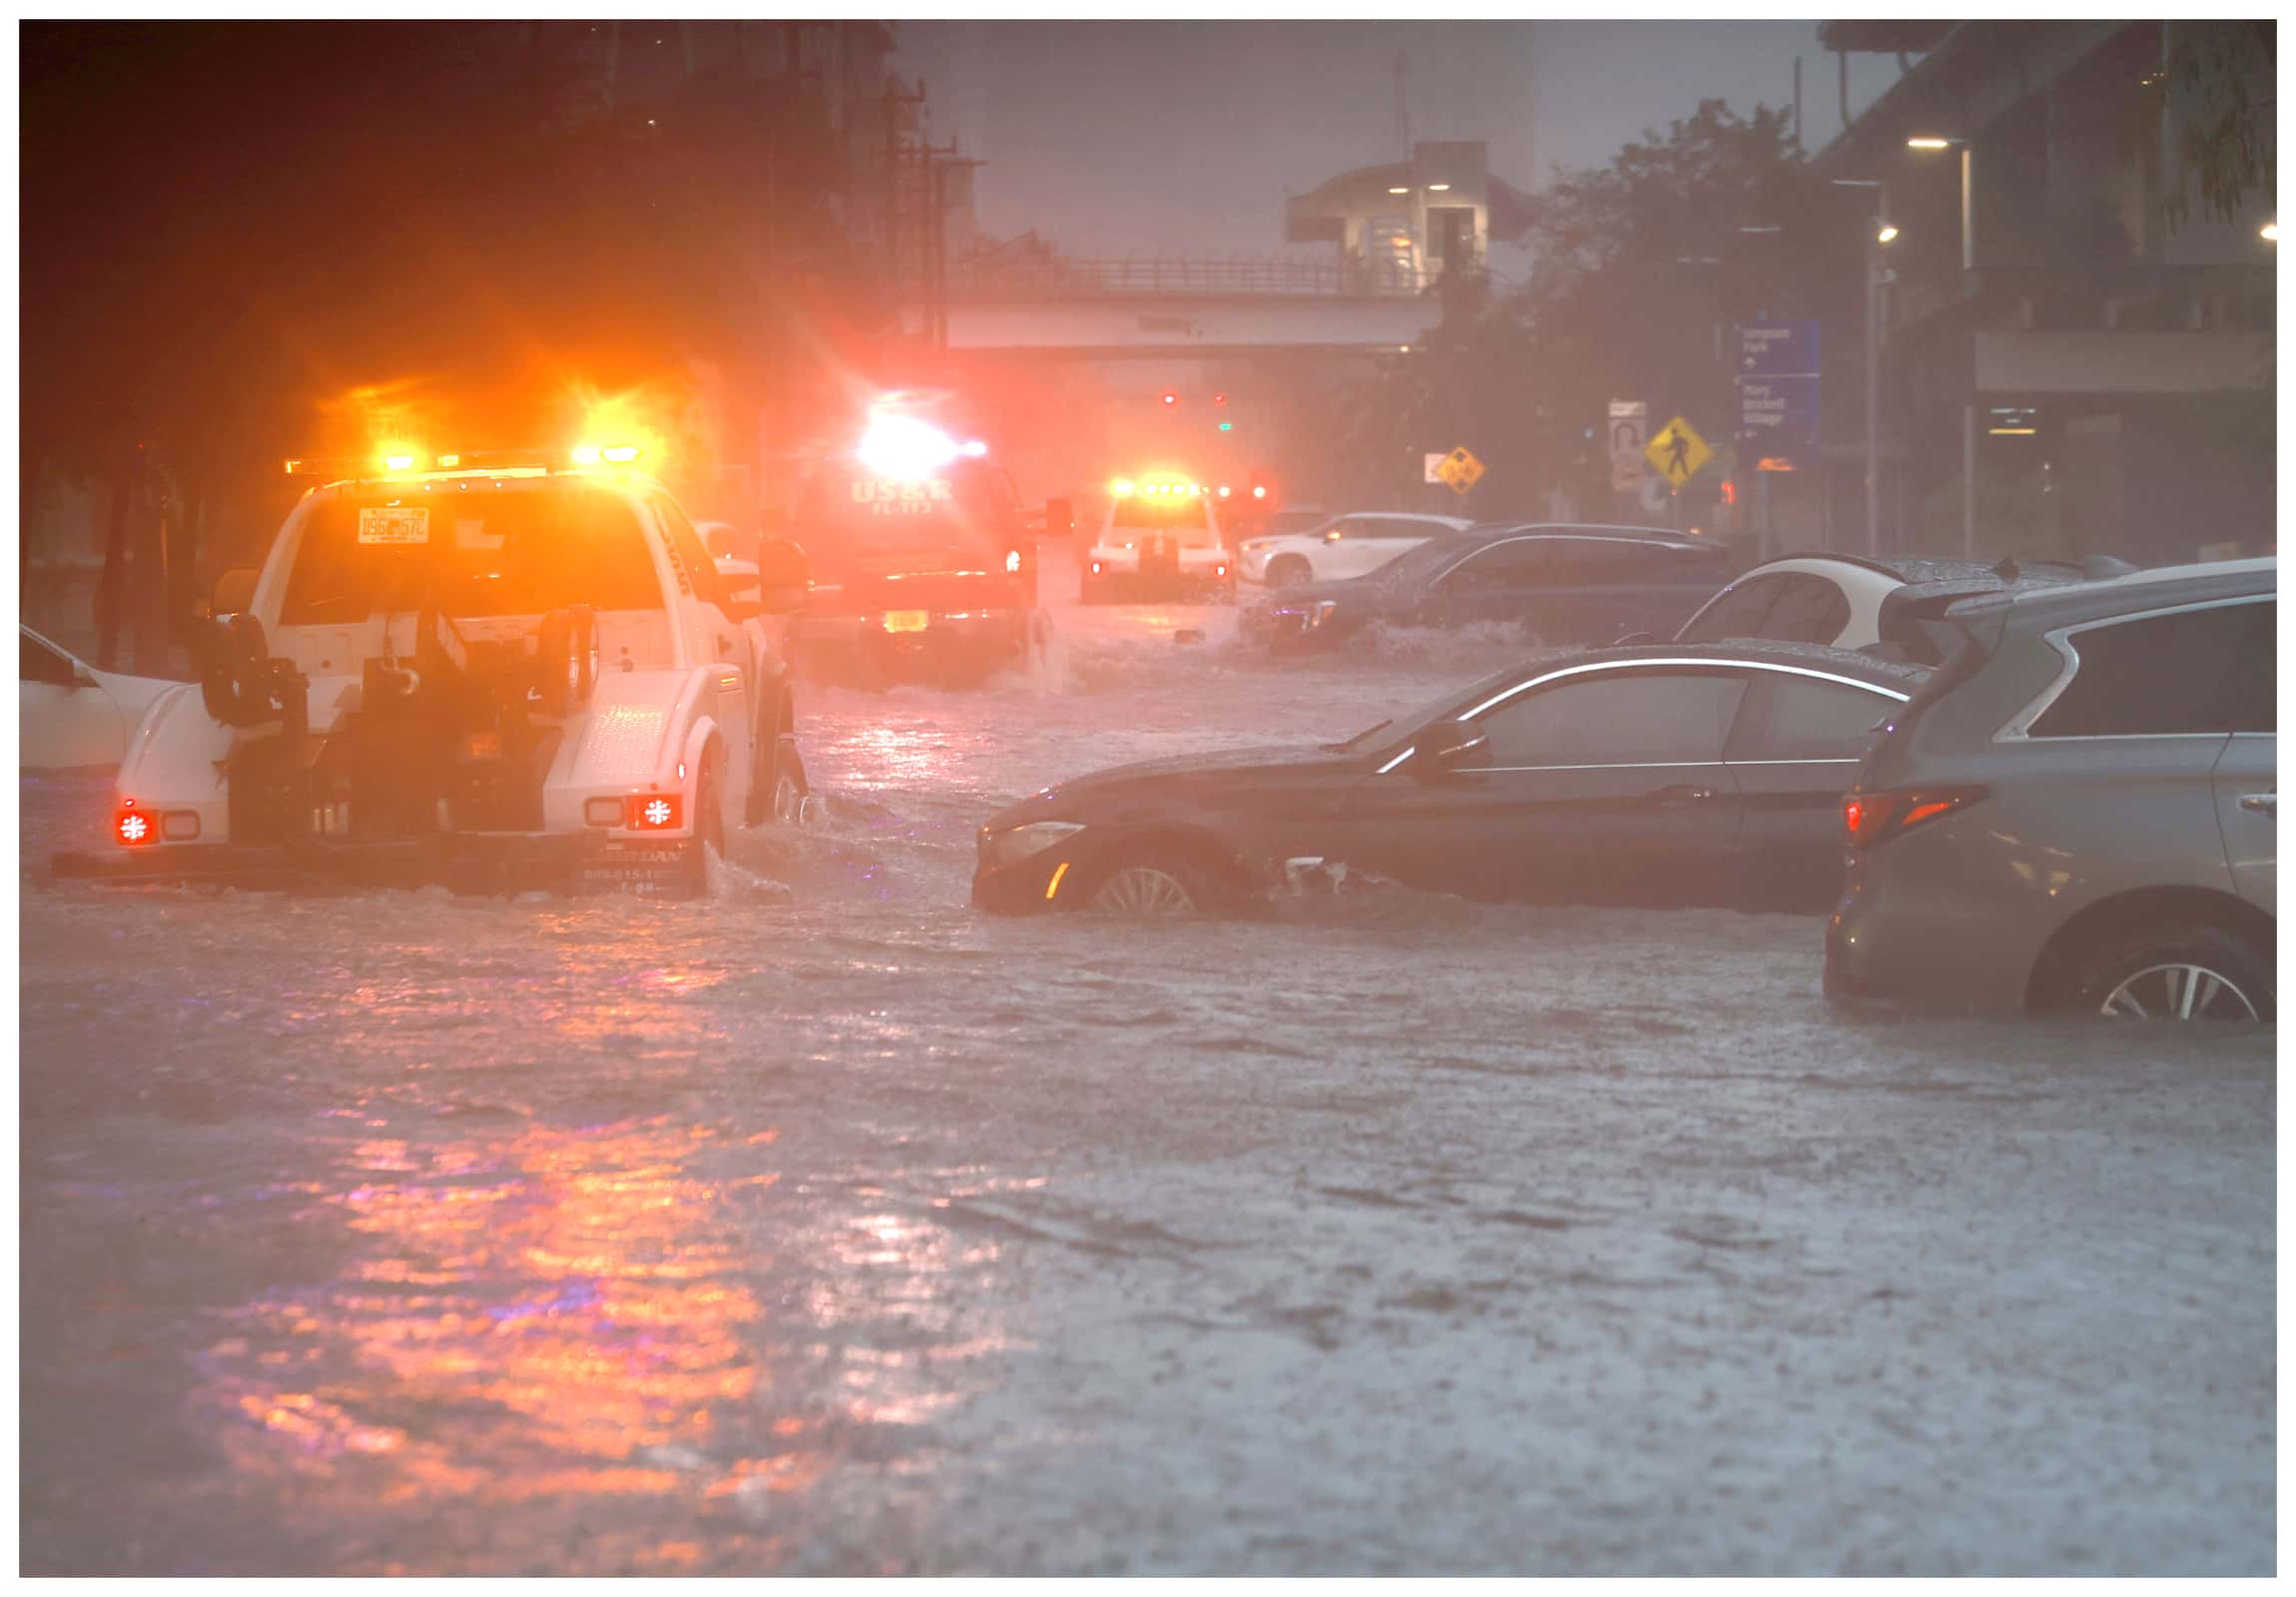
(1061, 277)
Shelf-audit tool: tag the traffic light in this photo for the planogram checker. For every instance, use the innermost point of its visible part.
(1219, 398)
(1170, 397)
(1227, 426)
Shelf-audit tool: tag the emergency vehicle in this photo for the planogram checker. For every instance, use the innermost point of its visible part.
(923, 558)
(1159, 541)
(493, 673)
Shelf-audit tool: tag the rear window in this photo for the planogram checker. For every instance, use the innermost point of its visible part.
(847, 510)
(1180, 512)
(472, 552)
(1737, 612)
(2193, 671)
(1810, 610)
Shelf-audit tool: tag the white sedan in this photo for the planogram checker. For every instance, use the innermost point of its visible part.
(71, 714)
(1353, 545)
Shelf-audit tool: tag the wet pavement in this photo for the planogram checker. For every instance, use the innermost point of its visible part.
(825, 1227)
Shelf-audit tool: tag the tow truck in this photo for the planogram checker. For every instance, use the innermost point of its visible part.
(1159, 541)
(924, 559)
(495, 674)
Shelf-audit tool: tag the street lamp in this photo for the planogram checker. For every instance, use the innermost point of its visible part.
(1884, 231)
(1969, 407)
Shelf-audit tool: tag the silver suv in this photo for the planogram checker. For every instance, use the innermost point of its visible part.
(2077, 811)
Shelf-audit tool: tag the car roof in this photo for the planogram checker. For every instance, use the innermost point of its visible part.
(1495, 531)
(1891, 674)
(1406, 515)
(2065, 604)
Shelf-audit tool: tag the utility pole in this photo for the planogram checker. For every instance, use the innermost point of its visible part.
(1881, 232)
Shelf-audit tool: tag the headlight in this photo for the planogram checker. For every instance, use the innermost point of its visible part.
(1016, 844)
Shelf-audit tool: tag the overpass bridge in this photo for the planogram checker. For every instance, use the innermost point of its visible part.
(1176, 308)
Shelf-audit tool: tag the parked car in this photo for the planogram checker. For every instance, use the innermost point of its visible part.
(1855, 603)
(1353, 545)
(2080, 811)
(1560, 582)
(69, 712)
(488, 677)
(1664, 774)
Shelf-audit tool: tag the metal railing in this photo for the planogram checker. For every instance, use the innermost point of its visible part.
(1060, 277)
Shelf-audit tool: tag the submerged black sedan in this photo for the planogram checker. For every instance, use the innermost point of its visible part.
(1560, 582)
(1659, 774)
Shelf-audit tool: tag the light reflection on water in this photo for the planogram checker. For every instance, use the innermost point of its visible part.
(566, 1317)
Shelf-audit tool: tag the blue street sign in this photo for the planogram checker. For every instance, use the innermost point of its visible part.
(1778, 349)
(1778, 390)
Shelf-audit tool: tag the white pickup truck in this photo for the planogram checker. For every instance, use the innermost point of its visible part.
(492, 677)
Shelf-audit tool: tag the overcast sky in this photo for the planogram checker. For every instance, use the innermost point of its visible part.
(1172, 138)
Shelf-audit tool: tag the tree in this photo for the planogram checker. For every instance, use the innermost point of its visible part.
(1638, 268)
(2217, 87)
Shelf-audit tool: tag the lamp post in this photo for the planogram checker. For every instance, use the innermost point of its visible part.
(1884, 231)
(1969, 407)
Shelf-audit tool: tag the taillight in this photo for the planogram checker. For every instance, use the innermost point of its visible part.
(133, 828)
(1867, 817)
(654, 812)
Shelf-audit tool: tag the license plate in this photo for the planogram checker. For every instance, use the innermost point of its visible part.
(906, 619)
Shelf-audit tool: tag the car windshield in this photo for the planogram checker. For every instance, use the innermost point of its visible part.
(1183, 514)
(484, 551)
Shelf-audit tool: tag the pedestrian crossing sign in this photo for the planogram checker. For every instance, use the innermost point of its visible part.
(1677, 452)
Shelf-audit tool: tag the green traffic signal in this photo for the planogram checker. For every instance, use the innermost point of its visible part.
(1227, 426)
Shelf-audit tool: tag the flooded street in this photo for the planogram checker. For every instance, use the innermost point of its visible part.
(828, 1226)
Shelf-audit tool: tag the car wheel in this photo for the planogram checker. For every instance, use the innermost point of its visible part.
(2190, 972)
(709, 827)
(1139, 889)
(789, 783)
(1287, 571)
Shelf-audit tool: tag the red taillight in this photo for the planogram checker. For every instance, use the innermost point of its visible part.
(1867, 817)
(133, 828)
(655, 812)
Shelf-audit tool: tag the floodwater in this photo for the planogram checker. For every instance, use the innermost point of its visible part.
(827, 1227)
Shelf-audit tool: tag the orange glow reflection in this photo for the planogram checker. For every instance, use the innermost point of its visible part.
(559, 1327)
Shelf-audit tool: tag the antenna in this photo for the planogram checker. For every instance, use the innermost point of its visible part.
(1403, 71)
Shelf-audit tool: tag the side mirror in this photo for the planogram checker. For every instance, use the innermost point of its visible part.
(1451, 748)
(234, 591)
(784, 577)
(1059, 518)
(731, 543)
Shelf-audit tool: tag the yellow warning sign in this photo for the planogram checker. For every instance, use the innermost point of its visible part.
(1677, 452)
(1461, 469)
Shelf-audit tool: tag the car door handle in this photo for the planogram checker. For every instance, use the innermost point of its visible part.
(1683, 793)
(2264, 804)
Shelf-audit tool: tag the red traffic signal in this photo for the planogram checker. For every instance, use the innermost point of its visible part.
(1219, 398)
